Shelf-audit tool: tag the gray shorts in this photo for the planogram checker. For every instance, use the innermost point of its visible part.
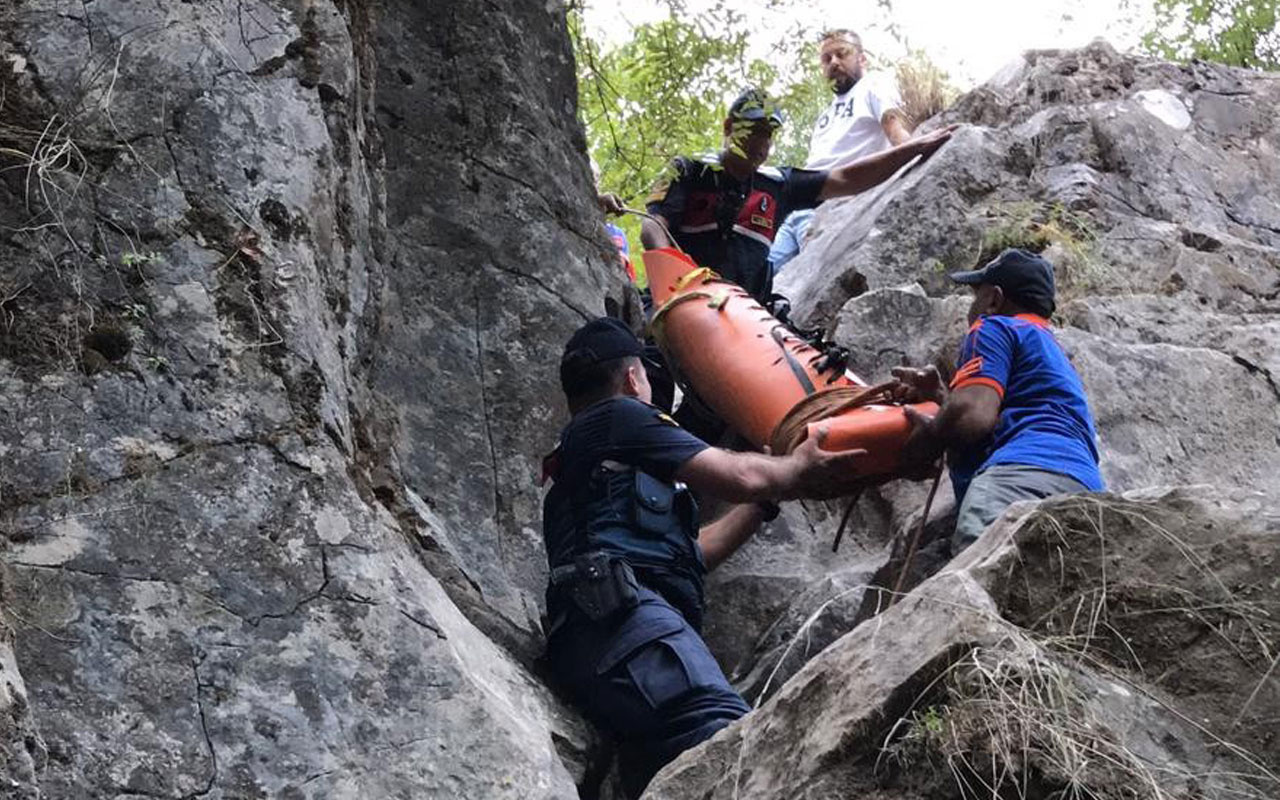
(996, 488)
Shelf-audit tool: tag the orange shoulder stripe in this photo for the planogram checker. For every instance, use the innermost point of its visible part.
(991, 382)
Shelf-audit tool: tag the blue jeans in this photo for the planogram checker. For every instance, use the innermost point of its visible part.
(786, 245)
(996, 488)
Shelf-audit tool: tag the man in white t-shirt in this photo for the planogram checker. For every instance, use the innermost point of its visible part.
(864, 117)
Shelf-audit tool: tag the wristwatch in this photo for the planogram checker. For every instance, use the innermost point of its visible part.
(769, 509)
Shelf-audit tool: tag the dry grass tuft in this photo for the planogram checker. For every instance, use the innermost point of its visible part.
(1075, 701)
(1014, 721)
(926, 90)
(54, 171)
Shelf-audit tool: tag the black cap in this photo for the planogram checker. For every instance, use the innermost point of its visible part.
(1025, 278)
(602, 339)
(753, 105)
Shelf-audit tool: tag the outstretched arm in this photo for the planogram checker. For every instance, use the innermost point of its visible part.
(720, 539)
(809, 471)
(968, 415)
(874, 169)
(653, 234)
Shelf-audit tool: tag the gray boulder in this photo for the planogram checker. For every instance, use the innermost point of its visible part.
(1088, 645)
(1151, 187)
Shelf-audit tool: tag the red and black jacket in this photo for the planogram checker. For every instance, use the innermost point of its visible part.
(729, 225)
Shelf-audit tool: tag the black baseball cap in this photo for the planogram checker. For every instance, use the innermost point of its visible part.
(602, 339)
(753, 104)
(1025, 278)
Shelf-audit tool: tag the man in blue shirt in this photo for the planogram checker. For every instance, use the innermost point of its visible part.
(627, 553)
(1015, 422)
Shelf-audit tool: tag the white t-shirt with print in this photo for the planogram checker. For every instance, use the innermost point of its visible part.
(850, 127)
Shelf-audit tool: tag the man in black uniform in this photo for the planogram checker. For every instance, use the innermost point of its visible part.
(627, 555)
(723, 210)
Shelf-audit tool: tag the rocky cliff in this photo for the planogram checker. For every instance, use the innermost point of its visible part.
(283, 288)
(1123, 645)
(283, 285)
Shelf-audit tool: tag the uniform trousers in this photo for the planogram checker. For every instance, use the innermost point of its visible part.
(647, 678)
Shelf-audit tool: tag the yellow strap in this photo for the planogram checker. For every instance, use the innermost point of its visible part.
(694, 275)
(657, 325)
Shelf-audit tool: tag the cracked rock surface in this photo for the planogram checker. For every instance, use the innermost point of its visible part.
(284, 286)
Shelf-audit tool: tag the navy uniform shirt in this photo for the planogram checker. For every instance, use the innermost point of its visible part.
(621, 429)
(728, 225)
(643, 675)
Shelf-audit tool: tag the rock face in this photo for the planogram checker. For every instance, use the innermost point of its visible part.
(1100, 646)
(284, 285)
(1152, 187)
(283, 288)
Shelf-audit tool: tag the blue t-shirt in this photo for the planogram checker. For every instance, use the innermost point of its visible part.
(619, 238)
(1044, 417)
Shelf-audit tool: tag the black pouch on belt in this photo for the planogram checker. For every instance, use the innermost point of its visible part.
(604, 586)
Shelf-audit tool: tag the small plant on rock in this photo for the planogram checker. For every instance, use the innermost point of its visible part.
(136, 259)
(157, 362)
(1068, 236)
(135, 312)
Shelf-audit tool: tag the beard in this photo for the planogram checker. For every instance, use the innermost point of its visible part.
(843, 83)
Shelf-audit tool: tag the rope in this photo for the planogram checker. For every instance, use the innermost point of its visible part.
(823, 405)
(658, 325)
(830, 403)
(844, 519)
(657, 222)
(915, 540)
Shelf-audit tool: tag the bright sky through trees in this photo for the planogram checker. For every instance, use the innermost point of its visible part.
(969, 40)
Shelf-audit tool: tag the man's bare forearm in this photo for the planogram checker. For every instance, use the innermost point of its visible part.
(720, 539)
(653, 235)
(874, 169)
(866, 172)
(967, 416)
(808, 471)
(741, 477)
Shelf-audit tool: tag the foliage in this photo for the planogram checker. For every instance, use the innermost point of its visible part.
(1033, 226)
(664, 92)
(1039, 227)
(1241, 33)
(925, 88)
(138, 259)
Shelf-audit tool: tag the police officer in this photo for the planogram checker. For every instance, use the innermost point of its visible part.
(627, 555)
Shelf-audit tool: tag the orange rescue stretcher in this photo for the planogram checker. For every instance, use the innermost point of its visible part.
(762, 379)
